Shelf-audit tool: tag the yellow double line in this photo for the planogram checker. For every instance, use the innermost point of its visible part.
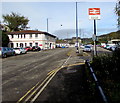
(41, 86)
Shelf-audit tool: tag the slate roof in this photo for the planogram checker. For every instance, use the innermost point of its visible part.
(30, 32)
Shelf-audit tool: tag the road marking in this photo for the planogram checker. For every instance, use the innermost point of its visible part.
(36, 96)
(75, 64)
(41, 86)
(44, 84)
(37, 88)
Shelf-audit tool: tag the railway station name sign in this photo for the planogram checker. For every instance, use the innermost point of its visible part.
(94, 13)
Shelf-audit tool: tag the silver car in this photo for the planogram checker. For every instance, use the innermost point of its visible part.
(87, 49)
(6, 51)
(20, 50)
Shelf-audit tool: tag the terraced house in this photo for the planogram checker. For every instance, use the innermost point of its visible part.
(32, 38)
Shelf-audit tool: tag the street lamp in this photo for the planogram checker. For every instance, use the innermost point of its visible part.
(47, 24)
(76, 29)
(47, 35)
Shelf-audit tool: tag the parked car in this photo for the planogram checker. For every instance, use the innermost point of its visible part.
(28, 48)
(82, 46)
(20, 50)
(87, 48)
(36, 48)
(113, 48)
(6, 51)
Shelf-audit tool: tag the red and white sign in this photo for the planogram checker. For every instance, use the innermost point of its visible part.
(40, 44)
(94, 13)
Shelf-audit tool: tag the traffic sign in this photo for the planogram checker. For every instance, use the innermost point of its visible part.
(94, 37)
(94, 13)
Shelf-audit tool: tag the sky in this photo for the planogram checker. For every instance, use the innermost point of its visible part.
(62, 16)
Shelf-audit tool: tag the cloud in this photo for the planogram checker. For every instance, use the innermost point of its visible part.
(83, 33)
(65, 33)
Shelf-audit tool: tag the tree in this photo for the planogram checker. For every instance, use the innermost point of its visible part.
(117, 10)
(15, 21)
(5, 39)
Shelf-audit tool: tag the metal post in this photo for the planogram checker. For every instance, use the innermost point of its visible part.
(47, 32)
(95, 49)
(47, 24)
(76, 28)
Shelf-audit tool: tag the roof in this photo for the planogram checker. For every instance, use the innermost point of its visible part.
(31, 32)
(115, 40)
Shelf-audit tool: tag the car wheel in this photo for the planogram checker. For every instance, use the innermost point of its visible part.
(14, 54)
(5, 55)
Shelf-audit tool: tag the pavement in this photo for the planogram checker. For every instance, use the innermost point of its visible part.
(70, 83)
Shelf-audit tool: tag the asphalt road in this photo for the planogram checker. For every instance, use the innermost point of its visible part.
(20, 73)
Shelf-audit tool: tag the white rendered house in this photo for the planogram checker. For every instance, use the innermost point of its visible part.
(31, 38)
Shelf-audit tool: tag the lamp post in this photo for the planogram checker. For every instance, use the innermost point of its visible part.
(47, 24)
(76, 28)
(47, 35)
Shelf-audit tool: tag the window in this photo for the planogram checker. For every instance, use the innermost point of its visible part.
(30, 35)
(21, 35)
(12, 36)
(36, 35)
(31, 44)
(36, 44)
(21, 44)
(12, 45)
(25, 44)
(18, 35)
(17, 44)
(24, 35)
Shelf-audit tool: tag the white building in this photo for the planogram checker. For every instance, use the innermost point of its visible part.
(32, 38)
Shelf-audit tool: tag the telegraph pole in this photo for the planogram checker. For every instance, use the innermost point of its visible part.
(76, 28)
(47, 24)
(47, 35)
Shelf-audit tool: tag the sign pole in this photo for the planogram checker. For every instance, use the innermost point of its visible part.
(95, 49)
(94, 14)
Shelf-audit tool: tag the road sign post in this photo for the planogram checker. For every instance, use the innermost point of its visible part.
(94, 14)
(95, 49)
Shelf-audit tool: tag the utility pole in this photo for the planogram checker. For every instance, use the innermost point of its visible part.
(47, 35)
(47, 24)
(76, 29)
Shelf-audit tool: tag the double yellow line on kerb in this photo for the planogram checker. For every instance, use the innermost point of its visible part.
(42, 85)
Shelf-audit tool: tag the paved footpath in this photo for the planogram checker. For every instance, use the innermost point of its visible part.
(69, 84)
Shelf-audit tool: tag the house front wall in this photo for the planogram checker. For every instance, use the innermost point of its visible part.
(23, 40)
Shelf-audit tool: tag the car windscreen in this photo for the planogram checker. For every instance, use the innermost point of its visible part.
(87, 47)
(16, 48)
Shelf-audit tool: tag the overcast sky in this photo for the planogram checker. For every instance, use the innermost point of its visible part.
(61, 16)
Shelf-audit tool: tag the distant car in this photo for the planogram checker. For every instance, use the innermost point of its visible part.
(63, 46)
(28, 48)
(6, 51)
(115, 47)
(20, 50)
(87, 48)
(36, 48)
(82, 46)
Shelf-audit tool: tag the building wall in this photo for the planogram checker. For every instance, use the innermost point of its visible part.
(23, 40)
